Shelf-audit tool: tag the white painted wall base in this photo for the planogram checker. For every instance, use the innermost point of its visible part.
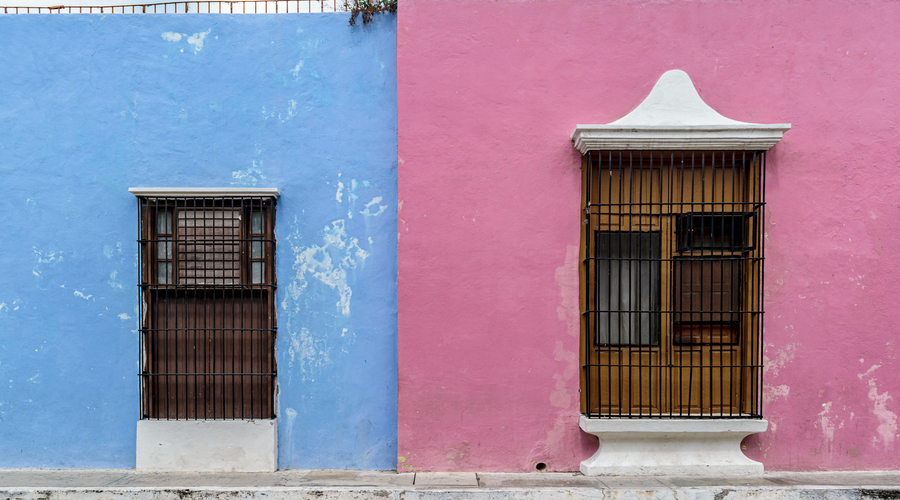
(656, 447)
(207, 445)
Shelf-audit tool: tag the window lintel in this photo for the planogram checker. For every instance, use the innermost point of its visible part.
(674, 117)
(199, 192)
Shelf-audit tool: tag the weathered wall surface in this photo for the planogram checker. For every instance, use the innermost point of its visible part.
(489, 189)
(91, 105)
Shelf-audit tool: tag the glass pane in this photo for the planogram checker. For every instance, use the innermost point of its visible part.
(256, 222)
(256, 249)
(164, 273)
(164, 222)
(723, 232)
(164, 248)
(258, 271)
(628, 288)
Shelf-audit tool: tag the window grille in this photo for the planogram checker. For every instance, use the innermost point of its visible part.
(207, 291)
(672, 274)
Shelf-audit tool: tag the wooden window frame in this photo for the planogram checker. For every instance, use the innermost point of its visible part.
(207, 348)
(730, 330)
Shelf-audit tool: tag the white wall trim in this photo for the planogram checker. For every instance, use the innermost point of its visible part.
(674, 117)
(197, 192)
(207, 445)
(658, 447)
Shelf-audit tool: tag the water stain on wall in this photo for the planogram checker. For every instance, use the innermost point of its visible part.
(887, 420)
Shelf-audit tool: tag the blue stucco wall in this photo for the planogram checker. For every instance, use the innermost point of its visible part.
(91, 105)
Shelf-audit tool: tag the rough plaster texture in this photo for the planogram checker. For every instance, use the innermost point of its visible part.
(489, 191)
(91, 105)
(207, 445)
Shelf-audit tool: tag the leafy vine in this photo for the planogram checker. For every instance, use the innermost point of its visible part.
(368, 8)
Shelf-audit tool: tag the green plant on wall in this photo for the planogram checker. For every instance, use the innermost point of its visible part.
(368, 8)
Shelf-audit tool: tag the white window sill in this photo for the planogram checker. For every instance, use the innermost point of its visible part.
(659, 447)
(207, 445)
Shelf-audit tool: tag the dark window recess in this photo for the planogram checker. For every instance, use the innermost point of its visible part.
(627, 288)
(707, 301)
(724, 232)
(208, 315)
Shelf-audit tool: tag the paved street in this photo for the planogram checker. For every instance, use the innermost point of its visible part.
(387, 485)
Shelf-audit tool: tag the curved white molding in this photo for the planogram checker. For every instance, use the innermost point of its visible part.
(674, 116)
(223, 192)
(662, 447)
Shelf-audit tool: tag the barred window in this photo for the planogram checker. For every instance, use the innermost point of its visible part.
(672, 277)
(207, 293)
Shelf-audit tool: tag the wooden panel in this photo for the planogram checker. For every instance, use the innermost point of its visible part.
(632, 376)
(706, 380)
(209, 332)
(707, 290)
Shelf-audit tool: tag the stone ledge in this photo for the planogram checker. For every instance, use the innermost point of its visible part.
(207, 445)
(662, 447)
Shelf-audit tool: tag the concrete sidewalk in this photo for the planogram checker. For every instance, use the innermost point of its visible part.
(388, 485)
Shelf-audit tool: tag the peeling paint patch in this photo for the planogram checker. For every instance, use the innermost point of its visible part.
(250, 176)
(564, 395)
(327, 263)
(375, 202)
(83, 296)
(52, 258)
(197, 40)
(171, 36)
(781, 358)
(296, 70)
(291, 415)
(112, 280)
(826, 422)
(774, 393)
(124, 316)
(309, 352)
(340, 192)
(291, 111)
(887, 420)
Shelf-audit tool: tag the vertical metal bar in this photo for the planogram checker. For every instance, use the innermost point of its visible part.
(704, 376)
(199, 320)
(252, 325)
(639, 292)
(587, 232)
(762, 260)
(142, 392)
(721, 220)
(690, 269)
(270, 301)
(620, 305)
(167, 325)
(613, 310)
(238, 323)
(670, 318)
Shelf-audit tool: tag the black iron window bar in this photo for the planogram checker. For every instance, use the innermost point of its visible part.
(207, 299)
(672, 274)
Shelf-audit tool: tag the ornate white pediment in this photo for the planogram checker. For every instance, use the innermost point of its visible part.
(674, 117)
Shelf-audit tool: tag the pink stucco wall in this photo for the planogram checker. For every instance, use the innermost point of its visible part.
(488, 93)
